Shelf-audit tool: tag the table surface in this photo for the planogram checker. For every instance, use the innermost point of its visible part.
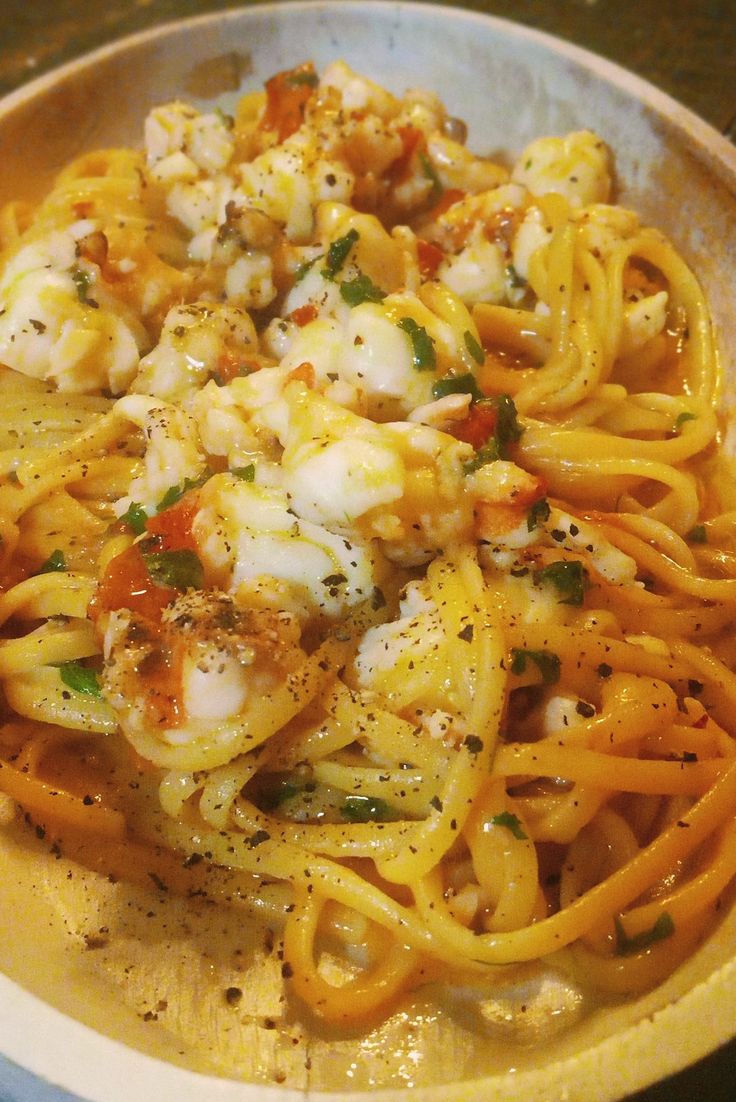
(685, 47)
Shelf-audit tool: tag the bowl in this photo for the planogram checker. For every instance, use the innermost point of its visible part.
(62, 1035)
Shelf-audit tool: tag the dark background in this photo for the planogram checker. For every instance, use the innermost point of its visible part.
(685, 47)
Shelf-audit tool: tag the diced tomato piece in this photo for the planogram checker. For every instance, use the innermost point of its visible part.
(412, 141)
(429, 256)
(287, 95)
(126, 583)
(449, 197)
(304, 314)
(231, 367)
(173, 526)
(304, 373)
(478, 426)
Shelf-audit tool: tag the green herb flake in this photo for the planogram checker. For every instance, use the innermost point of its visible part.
(507, 432)
(54, 564)
(568, 578)
(305, 267)
(83, 282)
(474, 348)
(538, 514)
(360, 289)
(430, 172)
(682, 418)
(274, 797)
(227, 120)
(180, 570)
(546, 662)
(508, 429)
(80, 678)
(627, 946)
(135, 516)
(513, 278)
(424, 357)
(175, 493)
(457, 384)
(245, 474)
(697, 534)
(365, 809)
(302, 77)
(489, 453)
(511, 822)
(337, 253)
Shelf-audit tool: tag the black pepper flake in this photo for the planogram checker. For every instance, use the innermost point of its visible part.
(286, 970)
(233, 995)
(584, 709)
(604, 670)
(258, 838)
(695, 688)
(473, 744)
(466, 634)
(436, 803)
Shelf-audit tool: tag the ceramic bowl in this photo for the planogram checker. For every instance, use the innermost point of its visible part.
(510, 84)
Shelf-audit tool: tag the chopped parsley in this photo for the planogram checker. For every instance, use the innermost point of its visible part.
(83, 282)
(365, 809)
(174, 493)
(430, 173)
(457, 384)
(302, 76)
(513, 278)
(474, 348)
(424, 357)
(546, 662)
(569, 579)
(682, 418)
(285, 790)
(360, 289)
(245, 474)
(180, 570)
(338, 252)
(507, 432)
(626, 946)
(135, 516)
(538, 514)
(511, 822)
(79, 678)
(304, 267)
(54, 564)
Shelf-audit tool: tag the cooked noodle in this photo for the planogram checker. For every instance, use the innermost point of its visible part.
(359, 537)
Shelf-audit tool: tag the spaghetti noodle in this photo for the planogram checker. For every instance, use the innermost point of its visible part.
(361, 548)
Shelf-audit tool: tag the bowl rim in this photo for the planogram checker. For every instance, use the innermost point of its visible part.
(609, 1063)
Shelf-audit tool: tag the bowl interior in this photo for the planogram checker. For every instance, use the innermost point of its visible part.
(510, 85)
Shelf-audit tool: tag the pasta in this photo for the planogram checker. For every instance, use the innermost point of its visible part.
(365, 565)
